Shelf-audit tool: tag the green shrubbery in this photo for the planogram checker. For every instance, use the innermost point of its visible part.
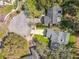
(72, 40)
(30, 6)
(41, 39)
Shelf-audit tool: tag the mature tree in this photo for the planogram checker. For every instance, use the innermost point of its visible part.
(30, 7)
(45, 4)
(70, 13)
(14, 46)
(70, 7)
(67, 25)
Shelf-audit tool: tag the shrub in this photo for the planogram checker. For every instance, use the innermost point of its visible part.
(41, 39)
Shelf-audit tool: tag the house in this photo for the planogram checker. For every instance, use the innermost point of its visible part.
(20, 25)
(47, 33)
(57, 37)
(45, 20)
(54, 14)
(63, 37)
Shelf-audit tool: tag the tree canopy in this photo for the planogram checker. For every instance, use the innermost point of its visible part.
(35, 7)
(14, 46)
(30, 7)
(70, 7)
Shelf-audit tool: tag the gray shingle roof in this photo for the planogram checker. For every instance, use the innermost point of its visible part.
(54, 37)
(59, 37)
(54, 12)
(45, 20)
(49, 32)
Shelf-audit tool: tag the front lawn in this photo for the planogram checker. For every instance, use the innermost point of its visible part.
(6, 9)
(1, 56)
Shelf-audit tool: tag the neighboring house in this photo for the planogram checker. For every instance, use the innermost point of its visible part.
(54, 14)
(34, 55)
(20, 25)
(57, 37)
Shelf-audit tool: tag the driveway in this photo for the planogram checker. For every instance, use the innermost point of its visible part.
(20, 25)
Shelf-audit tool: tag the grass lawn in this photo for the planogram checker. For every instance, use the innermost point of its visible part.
(1, 56)
(6, 9)
(41, 39)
